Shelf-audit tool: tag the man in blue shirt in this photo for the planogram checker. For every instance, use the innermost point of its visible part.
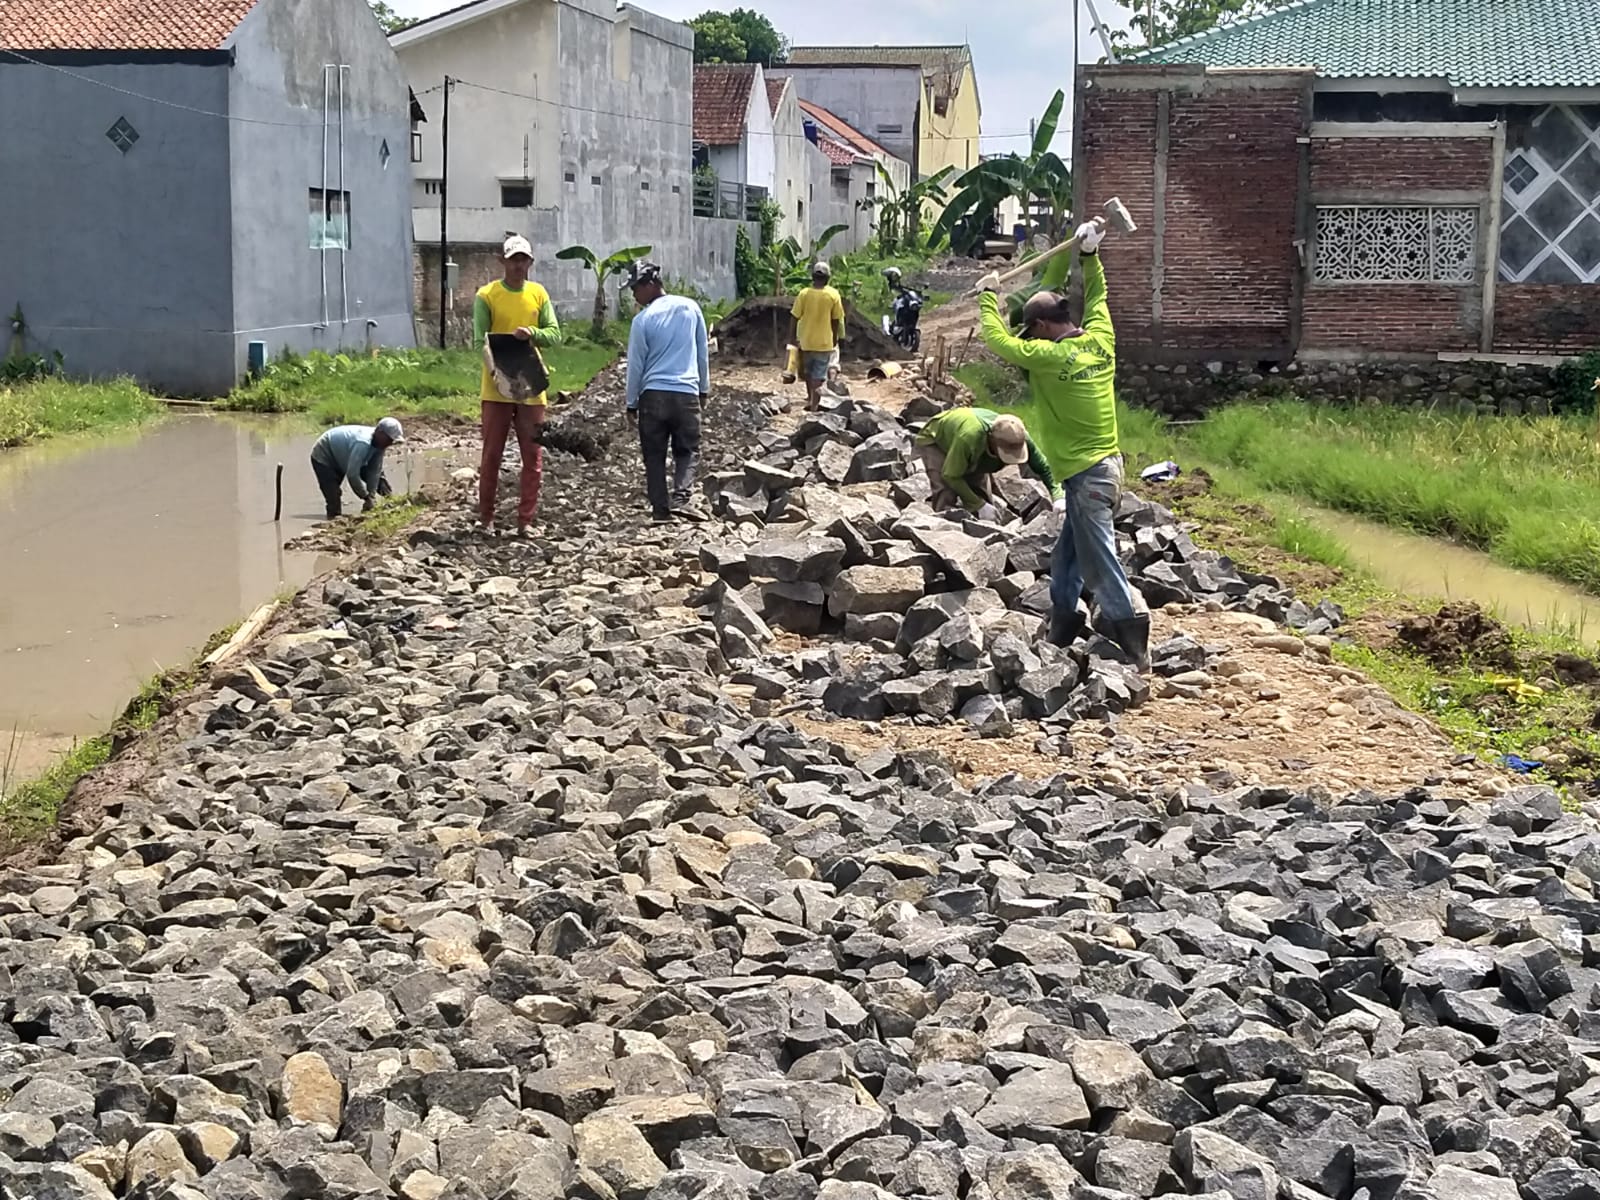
(669, 377)
(354, 453)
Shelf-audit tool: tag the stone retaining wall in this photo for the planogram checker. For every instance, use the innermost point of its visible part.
(1189, 392)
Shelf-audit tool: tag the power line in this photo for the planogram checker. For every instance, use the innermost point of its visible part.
(189, 108)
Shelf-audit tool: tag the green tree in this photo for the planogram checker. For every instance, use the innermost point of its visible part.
(740, 36)
(900, 209)
(387, 17)
(604, 269)
(1176, 19)
(1041, 175)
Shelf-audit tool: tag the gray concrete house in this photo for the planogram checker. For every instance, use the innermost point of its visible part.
(180, 180)
(570, 122)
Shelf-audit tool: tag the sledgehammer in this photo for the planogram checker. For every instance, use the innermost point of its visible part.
(1113, 212)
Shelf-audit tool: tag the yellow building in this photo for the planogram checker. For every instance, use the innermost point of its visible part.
(919, 102)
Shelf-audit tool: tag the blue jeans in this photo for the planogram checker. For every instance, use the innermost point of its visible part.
(1086, 551)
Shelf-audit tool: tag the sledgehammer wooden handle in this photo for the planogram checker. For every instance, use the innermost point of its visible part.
(1029, 267)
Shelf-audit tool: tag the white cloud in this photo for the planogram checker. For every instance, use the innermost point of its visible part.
(1022, 54)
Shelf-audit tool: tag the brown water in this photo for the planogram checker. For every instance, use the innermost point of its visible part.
(1424, 566)
(120, 556)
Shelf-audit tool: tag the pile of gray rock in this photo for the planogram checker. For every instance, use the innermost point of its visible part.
(474, 883)
(833, 533)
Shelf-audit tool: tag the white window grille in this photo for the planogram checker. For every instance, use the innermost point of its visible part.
(1357, 243)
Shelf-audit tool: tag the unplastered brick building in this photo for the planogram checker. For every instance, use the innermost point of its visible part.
(1355, 178)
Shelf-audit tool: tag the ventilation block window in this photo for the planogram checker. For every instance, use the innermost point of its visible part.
(1395, 244)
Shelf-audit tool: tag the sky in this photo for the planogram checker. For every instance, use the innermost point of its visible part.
(1020, 58)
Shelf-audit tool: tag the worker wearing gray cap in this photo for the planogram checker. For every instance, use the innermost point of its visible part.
(354, 454)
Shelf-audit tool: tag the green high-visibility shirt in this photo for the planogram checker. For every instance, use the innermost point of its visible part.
(1072, 407)
(963, 435)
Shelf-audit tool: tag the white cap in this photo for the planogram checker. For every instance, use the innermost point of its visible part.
(390, 428)
(820, 267)
(517, 244)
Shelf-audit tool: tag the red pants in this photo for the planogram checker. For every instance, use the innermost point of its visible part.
(499, 418)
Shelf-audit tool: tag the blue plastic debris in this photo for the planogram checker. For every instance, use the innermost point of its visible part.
(1521, 766)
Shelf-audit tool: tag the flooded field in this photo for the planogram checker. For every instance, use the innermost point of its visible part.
(120, 556)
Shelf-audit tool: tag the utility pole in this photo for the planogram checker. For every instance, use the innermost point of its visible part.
(444, 216)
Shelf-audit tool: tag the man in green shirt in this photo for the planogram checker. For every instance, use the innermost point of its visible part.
(962, 447)
(1072, 414)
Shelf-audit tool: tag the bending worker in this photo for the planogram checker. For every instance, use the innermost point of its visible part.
(1072, 412)
(963, 447)
(354, 453)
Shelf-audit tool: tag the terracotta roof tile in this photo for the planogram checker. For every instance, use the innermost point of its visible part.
(775, 88)
(838, 153)
(842, 129)
(119, 24)
(721, 100)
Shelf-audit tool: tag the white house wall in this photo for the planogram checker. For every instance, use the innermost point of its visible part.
(793, 187)
(761, 155)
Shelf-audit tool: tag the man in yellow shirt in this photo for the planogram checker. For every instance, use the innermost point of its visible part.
(512, 305)
(818, 328)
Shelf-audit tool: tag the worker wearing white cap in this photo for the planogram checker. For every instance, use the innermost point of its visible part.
(354, 453)
(512, 305)
(818, 330)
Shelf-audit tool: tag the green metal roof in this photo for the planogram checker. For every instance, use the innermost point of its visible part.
(1469, 43)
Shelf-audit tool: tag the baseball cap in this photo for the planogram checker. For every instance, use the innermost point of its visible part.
(517, 244)
(390, 427)
(1009, 439)
(820, 267)
(642, 272)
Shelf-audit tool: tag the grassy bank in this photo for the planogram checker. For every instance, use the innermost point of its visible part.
(31, 412)
(1526, 490)
(342, 389)
(1489, 709)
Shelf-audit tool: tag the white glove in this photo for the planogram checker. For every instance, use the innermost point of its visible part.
(1060, 505)
(990, 282)
(989, 513)
(1091, 234)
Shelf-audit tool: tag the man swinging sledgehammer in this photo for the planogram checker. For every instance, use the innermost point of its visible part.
(1072, 413)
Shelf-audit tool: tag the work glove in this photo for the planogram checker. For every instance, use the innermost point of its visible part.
(1060, 505)
(989, 513)
(1091, 234)
(990, 282)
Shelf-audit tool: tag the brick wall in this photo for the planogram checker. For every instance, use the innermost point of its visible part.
(1224, 221)
(479, 265)
(1404, 318)
(1400, 164)
(1533, 318)
(1119, 140)
(1399, 318)
(1233, 177)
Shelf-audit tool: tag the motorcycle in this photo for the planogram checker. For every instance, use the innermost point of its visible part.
(901, 322)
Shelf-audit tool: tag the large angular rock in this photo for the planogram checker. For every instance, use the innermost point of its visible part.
(966, 561)
(866, 589)
(808, 559)
(1043, 1099)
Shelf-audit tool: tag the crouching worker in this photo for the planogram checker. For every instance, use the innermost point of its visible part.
(963, 447)
(354, 454)
(1072, 411)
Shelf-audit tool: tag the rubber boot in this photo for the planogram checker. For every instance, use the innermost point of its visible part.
(1065, 627)
(1133, 635)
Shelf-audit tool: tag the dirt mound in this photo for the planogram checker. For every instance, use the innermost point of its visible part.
(758, 331)
(1457, 634)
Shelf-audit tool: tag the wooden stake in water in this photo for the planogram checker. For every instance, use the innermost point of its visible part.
(277, 508)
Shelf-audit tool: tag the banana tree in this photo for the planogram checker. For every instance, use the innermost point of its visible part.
(788, 263)
(604, 269)
(900, 209)
(1042, 175)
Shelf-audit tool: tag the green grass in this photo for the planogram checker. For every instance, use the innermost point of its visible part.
(390, 517)
(30, 807)
(1526, 490)
(343, 389)
(31, 412)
